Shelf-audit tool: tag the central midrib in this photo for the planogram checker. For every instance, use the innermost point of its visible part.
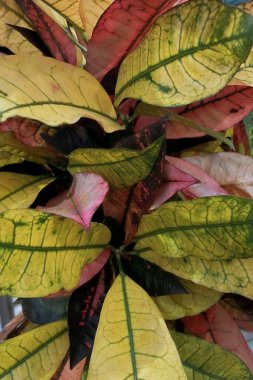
(46, 248)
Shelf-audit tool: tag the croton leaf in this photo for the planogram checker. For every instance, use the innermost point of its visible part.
(57, 94)
(7, 158)
(65, 373)
(20, 190)
(136, 342)
(11, 14)
(13, 327)
(212, 228)
(120, 167)
(55, 38)
(79, 203)
(208, 361)
(41, 254)
(24, 356)
(240, 308)
(198, 299)
(153, 279)
(119, 31)
(83, 314)
(243, 136)
(190, 53)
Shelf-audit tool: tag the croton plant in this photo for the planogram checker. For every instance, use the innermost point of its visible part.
(126, 185)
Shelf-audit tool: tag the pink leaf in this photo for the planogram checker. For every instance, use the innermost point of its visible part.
(79, 203)
(66, 373)
(119, 31)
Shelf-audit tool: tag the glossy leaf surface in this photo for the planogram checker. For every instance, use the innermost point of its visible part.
(190, 53)
(41, 254)
(135, 343)
(57, 94)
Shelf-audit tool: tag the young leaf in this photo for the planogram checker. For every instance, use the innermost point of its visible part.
(208, 361)
(57, 94)
(233, 171)
(84, 309)
(80, 202)
(190, 53)
(212, 228)
(198, 299)
(120, 167)
(135, 343)
(119, 30)
(55, 38)
(41, 254)
(20, 190)
(11, 14)
(35, 354)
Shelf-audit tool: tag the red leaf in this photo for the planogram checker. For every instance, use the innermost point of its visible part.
(120, 29)
(54, 37)
(241, 139)
(222, 330)
(79, 203)
(65, 373)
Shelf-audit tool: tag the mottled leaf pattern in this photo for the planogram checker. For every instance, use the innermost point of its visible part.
(190, 53)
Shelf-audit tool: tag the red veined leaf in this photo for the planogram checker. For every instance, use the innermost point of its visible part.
(54, 37)
(190, 179)
(223, 330)
(79, 203)
(120, 29)
(84, 309)
(65, 373)
(241, 139)
(128, 205)
(244, 325)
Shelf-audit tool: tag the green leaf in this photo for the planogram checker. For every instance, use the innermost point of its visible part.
(204, 360)
(213, 228)
(42, 254)
(190, 53)
(35, 354)
(132, 340)
(6, 158)
(52, 92)
(20, 190)
(248, 124)
(120, 167)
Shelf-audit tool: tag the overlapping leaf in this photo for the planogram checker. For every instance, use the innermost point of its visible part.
(65, 373)
(7, 158)
(190, 53)
(45, 310)
(55, 94)
(213, 228)
(35, 354)
(132, 339)
(41, 254)
(20, 190)
(120, 167)
(204, 360)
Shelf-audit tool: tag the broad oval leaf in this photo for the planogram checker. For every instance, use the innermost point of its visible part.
(58, 93)
(204, 360)
(35, 354)
(120, 167)
(212, 228)
(41, 254)
(190, 53)
(198, 299)
(20, 190)
(132, 340)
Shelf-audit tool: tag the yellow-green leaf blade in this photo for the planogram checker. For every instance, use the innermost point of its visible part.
(245, 72)
(198, 299)
(203, 360)
(90, 12)
(41, 253)
(20, 190)
(7, 158)
(190, 53)
(120, 167)
(211, 228)
(56, 93)
(132, 340)
(35, 354)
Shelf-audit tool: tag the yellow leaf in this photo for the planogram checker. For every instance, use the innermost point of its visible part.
(120, 167)
(10, 13)
(132, 340)
(7, 158)
(35, 354)
(20, 190)
(177, 306)
(211, 228)
(245, 72)
(57, 93)
(42, 254)
(190, 53)
(90, 12)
